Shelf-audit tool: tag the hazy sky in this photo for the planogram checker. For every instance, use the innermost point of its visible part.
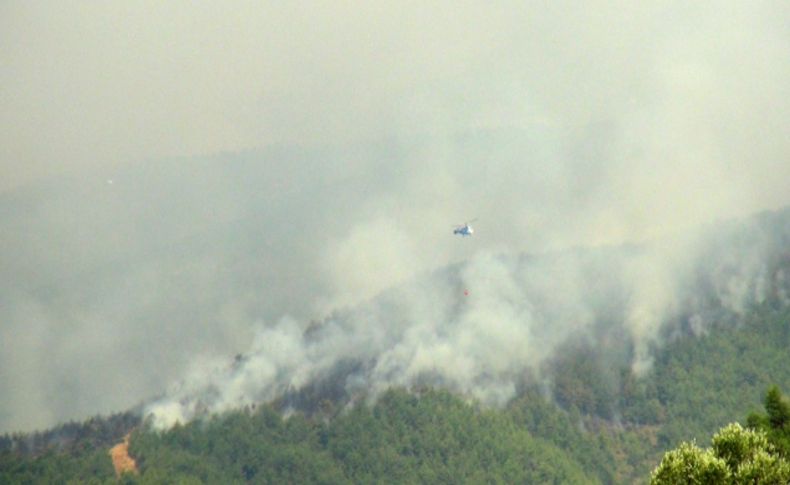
(322, 151)
(88, 84)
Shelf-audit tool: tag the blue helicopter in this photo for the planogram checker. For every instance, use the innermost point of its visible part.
(464, 229)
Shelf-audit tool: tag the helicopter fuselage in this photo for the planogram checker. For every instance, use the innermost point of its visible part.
(465, 230)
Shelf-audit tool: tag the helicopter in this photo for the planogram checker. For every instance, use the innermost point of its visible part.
(464, 229)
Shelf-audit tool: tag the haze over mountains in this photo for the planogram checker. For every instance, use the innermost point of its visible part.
(124, 319)
(612, 354)
(272, 165)
(494, 324)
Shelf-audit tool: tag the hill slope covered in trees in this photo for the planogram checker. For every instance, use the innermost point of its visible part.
(584, 414)
(697, 386)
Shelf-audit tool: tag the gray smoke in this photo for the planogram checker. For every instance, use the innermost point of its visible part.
(486, 326)
(295, 160)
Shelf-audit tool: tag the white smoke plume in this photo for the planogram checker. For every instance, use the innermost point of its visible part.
(485, 327)
(280, 159)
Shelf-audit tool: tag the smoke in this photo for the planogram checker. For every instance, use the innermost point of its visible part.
(495, 322)
(289, 160)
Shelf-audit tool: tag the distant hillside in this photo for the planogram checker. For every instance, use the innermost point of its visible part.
(495, 325)
(696, 386)
(584, 414)
(157, 261)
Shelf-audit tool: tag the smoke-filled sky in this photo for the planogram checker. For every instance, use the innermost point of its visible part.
(175, 177)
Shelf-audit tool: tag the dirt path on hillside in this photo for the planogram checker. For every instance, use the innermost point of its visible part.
(121, 460)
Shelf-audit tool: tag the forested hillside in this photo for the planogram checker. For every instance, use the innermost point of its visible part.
(600, 404)
(393, 242)
(593, 432)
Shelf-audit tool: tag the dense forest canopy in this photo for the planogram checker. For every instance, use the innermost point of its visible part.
(592, 430)
(759, 454)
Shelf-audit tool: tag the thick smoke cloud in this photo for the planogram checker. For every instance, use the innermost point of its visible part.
(281, 160)
(494, 323)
